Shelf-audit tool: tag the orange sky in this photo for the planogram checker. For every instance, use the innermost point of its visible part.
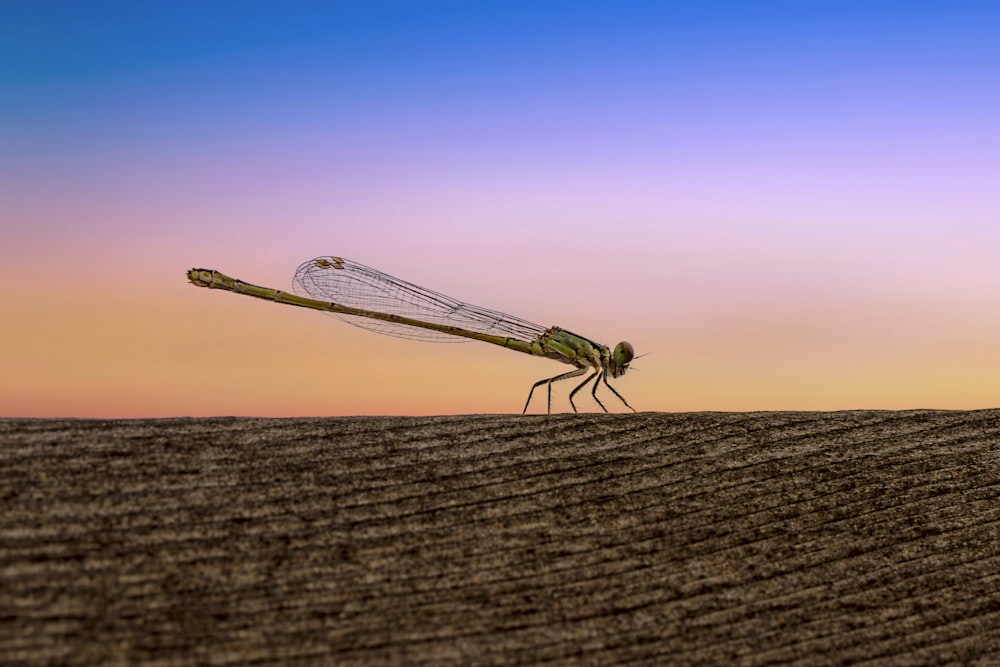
(788, 209)
(134, 339)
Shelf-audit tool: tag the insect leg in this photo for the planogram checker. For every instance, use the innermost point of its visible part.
(593, 391)
(581, 386)
(549, 381)
(613, 391)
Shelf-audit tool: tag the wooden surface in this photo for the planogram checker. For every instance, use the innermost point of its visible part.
(712, 538)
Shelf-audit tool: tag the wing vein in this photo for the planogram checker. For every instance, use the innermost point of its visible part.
(348, 283)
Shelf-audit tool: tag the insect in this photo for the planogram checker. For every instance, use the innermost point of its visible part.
(378, 302)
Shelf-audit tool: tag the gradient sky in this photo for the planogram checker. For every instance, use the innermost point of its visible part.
(791, 205)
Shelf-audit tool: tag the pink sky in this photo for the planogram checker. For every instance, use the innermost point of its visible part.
(780, 228)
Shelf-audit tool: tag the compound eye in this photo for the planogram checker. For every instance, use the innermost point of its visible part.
(624, 352)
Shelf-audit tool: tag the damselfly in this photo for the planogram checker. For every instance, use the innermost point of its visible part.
(378, 302)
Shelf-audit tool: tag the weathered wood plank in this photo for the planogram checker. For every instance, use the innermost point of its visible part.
(711, 538)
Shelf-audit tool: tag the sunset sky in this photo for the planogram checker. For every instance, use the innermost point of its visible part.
(790, 205)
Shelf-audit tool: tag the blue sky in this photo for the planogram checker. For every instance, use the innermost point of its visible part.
(799, 196)
(393, 48)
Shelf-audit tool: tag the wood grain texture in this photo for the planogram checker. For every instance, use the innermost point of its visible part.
(690, 539)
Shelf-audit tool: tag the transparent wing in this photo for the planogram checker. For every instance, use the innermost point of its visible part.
(348, 283)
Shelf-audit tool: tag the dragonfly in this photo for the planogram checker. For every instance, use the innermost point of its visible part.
(373, 300)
